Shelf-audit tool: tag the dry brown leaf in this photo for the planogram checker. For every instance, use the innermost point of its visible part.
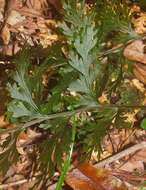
(79, 182)
(140, 72)
(138, 85)
(135, 162)
(23, 136)
(14, 18)
(35, 4)
(135, 51)
(3, 122)
(2, 5)
(5, 35)
(87, 177)
(139, 76)
(140, 23)
(29, 12)
(56, 4)
(103, 98)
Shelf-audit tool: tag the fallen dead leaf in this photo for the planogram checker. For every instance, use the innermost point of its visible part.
(138, 85)
(5, 35)
(35, 4)
(2, 5)
(135, 51)
(87, 177)
(103, 98)
(3, 122)
(140, 23)
(14, 18)
(140, 72)
(136, 162)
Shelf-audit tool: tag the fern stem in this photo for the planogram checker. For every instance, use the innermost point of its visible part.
(68, 114)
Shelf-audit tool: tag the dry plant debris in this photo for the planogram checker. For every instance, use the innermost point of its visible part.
(140, 23)
(23, 22)
(135, 52)
(87, 177)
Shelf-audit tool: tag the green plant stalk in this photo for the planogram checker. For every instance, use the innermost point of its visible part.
(39, 119)
(67, 114)
(67, 161)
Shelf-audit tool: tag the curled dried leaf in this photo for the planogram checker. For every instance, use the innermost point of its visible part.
(5, 35)
(140, 72)
(135, 51)
(87, 177)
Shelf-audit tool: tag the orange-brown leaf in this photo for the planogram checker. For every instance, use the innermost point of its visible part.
(5, 34)
(87, 177)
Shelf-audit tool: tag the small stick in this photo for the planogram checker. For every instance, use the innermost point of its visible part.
(12, 184)
(121, 154)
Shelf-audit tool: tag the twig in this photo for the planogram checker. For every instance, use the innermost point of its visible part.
(12, 184)
(20, 182)
(121, 154)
